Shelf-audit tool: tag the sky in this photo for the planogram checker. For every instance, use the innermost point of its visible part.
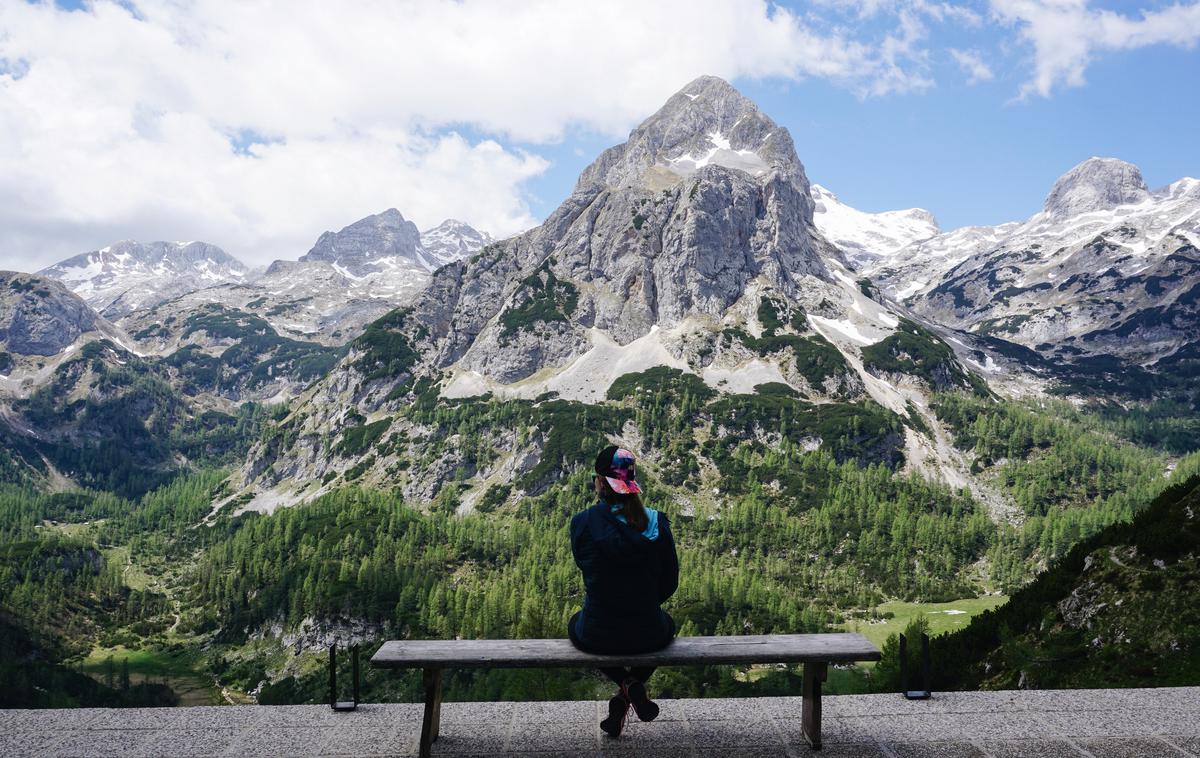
(256, 126)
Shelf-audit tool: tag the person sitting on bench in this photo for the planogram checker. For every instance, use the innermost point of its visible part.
(627, 555)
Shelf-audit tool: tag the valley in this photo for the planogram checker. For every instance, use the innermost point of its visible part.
(855, 421)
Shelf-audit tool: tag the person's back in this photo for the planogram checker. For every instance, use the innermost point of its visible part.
(627, 555)
(627, 574)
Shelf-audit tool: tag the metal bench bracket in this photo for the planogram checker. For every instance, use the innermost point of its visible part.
(927, 689)
(334, 703)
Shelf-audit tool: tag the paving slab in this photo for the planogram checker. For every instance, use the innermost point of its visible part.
(1051, 748)
(650, 739)
(199, 717)
(839, 750)
(1122, 723)
(188, 743)
(936, 749)
(26, 743)
(97, 743)
(737, 733)
(626, 750)
(1101, 723)
(556, 712)
(1188, 744)
(565, 735)
(322, 715)
(281, 741)
(369, 740)
(725, 709)
(478, 713)
(458, 738)
(1129, 747)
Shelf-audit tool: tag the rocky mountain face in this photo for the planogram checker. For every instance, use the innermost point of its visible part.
(269, 334)
(1097, 184)
(452, 240)
(662, 234)
(41, 324)
(868, 238)
(128, 276)
(230, 353)
(378, 243)
(302, 301)
(348, 279)
(387, 243)
(690, 248)
(1107, 269)
(40, 316)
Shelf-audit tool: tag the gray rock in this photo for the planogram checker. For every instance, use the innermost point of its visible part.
(648, 237)
(1096, 184)
(387, 243)
(40, 316)
(366, 246)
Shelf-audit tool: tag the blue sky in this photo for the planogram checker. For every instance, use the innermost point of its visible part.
(972, 154)
(257, 126)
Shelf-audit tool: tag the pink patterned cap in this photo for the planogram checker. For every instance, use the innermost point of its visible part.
(620, 475)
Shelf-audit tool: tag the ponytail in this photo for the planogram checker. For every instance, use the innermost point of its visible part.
(631, 506)
(635, 512)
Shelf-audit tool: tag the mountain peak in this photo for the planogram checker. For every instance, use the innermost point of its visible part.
(710, 87)
(361, 245)
(451, 240)
(390, 217)
(1096, 184)
(708, 122)
(127, 275)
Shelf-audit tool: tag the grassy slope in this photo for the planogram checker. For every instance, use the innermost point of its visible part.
(940, 621)
(1118, 610)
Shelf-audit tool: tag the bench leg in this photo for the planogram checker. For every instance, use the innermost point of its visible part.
(814, 674)
(432, 679)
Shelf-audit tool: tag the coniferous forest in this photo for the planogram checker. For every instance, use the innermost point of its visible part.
(138, 591)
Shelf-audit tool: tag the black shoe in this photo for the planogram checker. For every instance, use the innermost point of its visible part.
(618, 706)
(645, 708)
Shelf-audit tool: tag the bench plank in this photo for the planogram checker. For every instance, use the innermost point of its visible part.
(683, 651)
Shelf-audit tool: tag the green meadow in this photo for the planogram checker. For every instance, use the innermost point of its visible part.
(943, 617)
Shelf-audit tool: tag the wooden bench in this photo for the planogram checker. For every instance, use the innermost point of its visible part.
(815, 651)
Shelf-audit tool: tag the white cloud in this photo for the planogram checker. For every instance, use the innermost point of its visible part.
(258, 125)
(972, 65)
(1067, 34)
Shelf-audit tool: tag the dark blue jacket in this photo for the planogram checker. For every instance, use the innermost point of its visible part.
(626, 578)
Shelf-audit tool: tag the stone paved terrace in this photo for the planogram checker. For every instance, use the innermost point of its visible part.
(1144, 722)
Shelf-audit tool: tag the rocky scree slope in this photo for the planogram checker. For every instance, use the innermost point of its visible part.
(231, 353)
(690, 247)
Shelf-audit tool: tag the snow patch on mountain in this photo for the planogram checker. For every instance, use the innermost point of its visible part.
(452, 240)
(127, 276)
(1106, 259)
(866, 238)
